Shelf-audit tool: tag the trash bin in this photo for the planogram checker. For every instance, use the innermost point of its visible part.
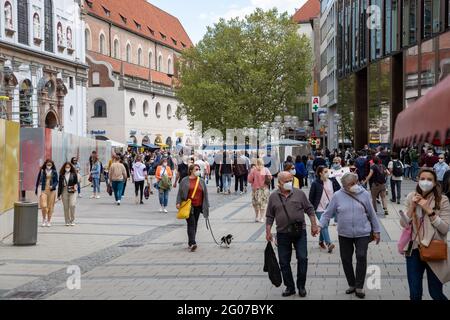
(25, 223)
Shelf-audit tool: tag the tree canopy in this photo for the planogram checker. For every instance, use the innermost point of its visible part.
(244, 71)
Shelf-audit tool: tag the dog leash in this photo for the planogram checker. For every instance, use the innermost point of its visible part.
(208, 226)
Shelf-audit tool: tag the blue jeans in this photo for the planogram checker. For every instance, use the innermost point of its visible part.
(396, 185)
(117, 187)
(226, 182)
(415, 269)
(415, 170)
(324, 234)
(407, 172)
(311, 177)
(163, 197)
(96, 184)
(285, 254)
(79, 187)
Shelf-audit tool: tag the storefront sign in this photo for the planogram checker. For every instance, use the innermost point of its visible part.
(98, 132)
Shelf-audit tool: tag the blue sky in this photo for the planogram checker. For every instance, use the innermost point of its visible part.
(196, 15)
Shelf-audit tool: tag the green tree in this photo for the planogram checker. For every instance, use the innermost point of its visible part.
(244, 71)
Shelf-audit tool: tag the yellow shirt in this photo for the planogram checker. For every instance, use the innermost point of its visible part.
(296, 183)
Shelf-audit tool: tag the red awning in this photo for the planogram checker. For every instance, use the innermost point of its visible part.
(427, 120)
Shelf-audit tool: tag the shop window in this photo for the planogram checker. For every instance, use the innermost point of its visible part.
(444, 56)
(428, 66)
(411, 75)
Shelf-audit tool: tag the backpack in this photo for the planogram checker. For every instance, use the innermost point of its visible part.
(360, 164)
(397, 170)
(164, 183)
(379, 174)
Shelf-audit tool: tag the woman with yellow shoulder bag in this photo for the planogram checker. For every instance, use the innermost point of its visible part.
(192, 199)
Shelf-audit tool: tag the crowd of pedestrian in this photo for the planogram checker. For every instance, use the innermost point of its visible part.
(352, 201)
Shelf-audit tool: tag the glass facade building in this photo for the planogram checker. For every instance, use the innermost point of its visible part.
(389, 54)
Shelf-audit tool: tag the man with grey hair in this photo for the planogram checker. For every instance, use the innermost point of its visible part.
(358, 226)
(287, 206)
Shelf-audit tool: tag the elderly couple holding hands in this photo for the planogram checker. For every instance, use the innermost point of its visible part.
(358, 226)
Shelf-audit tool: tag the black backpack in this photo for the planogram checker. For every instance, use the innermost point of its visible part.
(397, 170)
(379, 174)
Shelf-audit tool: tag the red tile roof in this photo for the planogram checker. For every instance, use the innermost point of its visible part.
(132, 70)
(310, 10)
(142, 17)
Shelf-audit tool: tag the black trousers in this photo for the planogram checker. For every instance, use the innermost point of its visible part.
(347, 247)
(246, 180)
(192, 223)
(239, 180)
(139, 186)
(219, 181)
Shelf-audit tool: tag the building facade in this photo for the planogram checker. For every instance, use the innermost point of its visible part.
(42, 62)
(328, 79)
(389, 54)
(307, 18)
(132, 48)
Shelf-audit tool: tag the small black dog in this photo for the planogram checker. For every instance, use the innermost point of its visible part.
(227, 240)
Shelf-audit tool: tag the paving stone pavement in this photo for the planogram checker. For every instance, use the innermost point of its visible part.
(135, 252)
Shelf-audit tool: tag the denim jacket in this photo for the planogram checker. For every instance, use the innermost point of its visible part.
(42, 180)
(96, 170)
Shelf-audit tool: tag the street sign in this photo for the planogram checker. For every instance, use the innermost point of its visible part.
(315, 104)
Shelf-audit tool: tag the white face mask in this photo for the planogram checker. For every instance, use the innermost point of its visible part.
(355, 189)
(198, 173)
(49, 167)
(293, 172)
(288, 186)
(441, 160)
(67, 169)
(430, 154)
(426, 185)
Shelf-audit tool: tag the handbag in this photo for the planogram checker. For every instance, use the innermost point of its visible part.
(186, 206)
(436, 250)
(109, 189)
(405, 238)
(372, 234)
(267, 180)
(90, 178)
(70, 189)
(295, 229)
(146, 192)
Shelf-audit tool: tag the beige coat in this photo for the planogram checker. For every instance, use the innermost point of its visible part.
(436, 230)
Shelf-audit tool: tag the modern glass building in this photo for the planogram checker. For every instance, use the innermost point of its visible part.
(389, 54)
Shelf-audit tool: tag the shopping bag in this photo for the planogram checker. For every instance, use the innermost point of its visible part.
(109, 189)
(146, 192)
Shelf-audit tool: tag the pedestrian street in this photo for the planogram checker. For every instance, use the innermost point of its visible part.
(135, 252)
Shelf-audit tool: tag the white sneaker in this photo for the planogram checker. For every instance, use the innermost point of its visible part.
(92, 197)
(136, 200)
(262, 220)
(241, 193)
(97, 197)
(67, 224)
(49, 224)
(161, 209)
(165, 211)
(79, 196)
(44, 223)
(72, 224)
